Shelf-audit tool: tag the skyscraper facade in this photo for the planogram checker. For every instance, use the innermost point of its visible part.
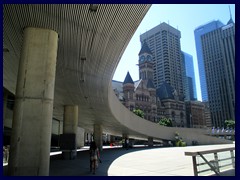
(218, 47)
(198, 32)
(164, 43)
(190, 88)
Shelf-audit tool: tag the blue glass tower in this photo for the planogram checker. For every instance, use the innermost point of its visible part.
(198, 32)
(190, 73)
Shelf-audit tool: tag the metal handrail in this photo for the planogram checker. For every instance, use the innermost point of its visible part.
(213, 164)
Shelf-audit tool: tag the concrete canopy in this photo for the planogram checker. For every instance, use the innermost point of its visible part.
(92, 39)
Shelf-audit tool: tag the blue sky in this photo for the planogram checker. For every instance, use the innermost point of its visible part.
(184, 17)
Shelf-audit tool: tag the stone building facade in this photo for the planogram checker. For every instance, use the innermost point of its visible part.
(170, 106)
(195, 111)
(142, 93)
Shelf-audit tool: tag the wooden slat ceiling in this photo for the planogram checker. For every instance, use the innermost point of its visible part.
(91, 44)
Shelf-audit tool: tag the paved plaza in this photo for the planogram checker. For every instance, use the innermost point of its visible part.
(138, 161)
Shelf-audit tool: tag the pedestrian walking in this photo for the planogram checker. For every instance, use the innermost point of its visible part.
(127, 144)
(94, 157)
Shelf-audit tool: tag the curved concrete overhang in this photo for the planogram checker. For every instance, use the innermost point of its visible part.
(91, 43)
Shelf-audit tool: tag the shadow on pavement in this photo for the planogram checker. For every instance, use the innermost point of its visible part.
(80, 165)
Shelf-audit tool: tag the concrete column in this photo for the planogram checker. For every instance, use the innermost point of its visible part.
(150, 142)
(70, 122)
(112, 138)
(33, 109)
(98, 136)
(80, 137)
(124, 137)
(5, 98)
(69, 136)
(88, 137)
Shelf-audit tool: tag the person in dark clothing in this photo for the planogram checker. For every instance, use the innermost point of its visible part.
(127, 144)
(94, 153)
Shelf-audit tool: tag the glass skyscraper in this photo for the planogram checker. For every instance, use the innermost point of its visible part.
(198, 32)
(190, 74)
(218, 47)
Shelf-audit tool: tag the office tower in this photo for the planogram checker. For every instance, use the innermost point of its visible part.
(195, 111)
(190, 89)
(198, 32)
(218, 47)
(164, 43)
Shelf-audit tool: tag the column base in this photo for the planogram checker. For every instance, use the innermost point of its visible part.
(69, 154)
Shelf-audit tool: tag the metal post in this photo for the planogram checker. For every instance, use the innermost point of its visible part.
(233, 158)
(216, 162)
(194, 165)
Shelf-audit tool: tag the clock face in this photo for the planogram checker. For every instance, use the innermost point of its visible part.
(149, 58)
(142, 58)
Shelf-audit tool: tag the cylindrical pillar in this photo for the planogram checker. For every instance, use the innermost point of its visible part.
(150, 142)
(124, 141)
(32, 118)
(5, 98)
(69, 136)
(98, 136)
(80, 137)
(70, 122)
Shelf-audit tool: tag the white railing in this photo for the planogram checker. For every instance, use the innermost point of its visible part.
(216, 161)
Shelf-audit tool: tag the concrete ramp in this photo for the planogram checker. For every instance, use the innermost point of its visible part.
(143, 127)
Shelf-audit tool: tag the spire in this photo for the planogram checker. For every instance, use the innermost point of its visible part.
(145, 49)
(128, 79)
(230, 20)
(230, 12)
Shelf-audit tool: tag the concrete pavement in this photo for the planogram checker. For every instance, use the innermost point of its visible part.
(141, 161)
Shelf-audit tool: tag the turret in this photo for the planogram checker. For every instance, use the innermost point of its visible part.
(128, 87)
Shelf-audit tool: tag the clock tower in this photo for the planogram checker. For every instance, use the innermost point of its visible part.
(145, 63)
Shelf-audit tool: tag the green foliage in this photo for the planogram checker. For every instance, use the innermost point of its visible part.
(180, 143)
(184, 144)
(229, 123)
(165, 122)
(139, 112)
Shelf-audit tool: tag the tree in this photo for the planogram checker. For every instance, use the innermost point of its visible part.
(165, 122)
(229, 123)
(139, 112)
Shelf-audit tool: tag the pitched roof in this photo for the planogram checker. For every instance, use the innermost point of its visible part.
(128, 79)
(136, 84)
(145, 49)
(150, 84)
(165, 91)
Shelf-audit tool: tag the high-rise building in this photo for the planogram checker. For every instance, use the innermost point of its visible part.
(195, 112)
(164, 43)
(190, 87)
(218, 47)
(207, 115)
(198, 32)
